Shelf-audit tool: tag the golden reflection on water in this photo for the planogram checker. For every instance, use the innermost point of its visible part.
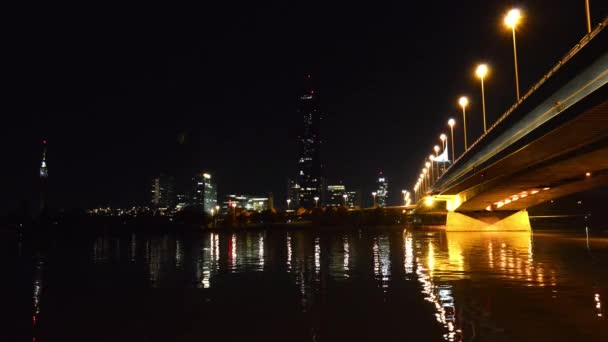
(458, 272)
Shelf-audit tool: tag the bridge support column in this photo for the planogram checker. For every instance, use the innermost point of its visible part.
(488, 221)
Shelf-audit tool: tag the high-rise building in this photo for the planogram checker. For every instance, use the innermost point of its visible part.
(163, 191)
(245, 202)
(309, 162)
(335, 195)
(205, 192)
(354, 199)
(293, 195)
(382, 191)
(44, 175)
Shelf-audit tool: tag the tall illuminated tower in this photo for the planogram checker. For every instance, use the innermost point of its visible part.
(382, 190)
(309, 163)
(44, 175)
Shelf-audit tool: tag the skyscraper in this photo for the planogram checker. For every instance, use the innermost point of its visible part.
(335, 195)
(205, 192)
(382, 191)
(163, 191)
(44, 175)
(293, 194)
(309, 163)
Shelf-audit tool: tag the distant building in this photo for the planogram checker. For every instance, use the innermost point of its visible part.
(381, 191)
(234, 201)
(293, 195)
(249, 203)
(44, 175)
(335, 195)
(309, 162)
(163, 192)
(205, 192)
(353, 199)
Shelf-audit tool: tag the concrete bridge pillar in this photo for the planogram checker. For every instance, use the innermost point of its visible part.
(490, 221)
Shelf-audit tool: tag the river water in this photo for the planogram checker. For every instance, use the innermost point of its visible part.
(306, 285)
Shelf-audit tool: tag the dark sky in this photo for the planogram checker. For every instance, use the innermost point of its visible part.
(125, 92)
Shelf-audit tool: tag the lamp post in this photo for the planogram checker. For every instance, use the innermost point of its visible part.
(481, 72)
(429, 167)
(345, 196)
(511, 20)
(588, 12)
(288, 203)
(403, 192)
(433, 171)
(443, 139)
(451, 123)
(374, 203)
(463, 102)
(436, 149)
(316, 202)
(425, 179)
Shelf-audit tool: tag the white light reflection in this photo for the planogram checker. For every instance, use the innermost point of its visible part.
(233, 252)
(261, 251)
(133, 247)
(289, 251)
(346, 247)
(409, 253)
(179, 254)
(317, 255)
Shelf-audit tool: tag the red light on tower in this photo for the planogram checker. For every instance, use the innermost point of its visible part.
(44, 142)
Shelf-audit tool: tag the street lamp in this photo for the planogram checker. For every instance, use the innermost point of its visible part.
(404, 198)
(433, 168)
(511, 20)
(345, 196)
(481, 72)
(451, 123)
(429, 174)
(463, 102)
(316, 202)
(374, 195)
(443, 138)
(288, 203)
(425, 179)
(588, 12)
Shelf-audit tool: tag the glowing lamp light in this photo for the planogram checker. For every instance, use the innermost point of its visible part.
(512, 18)
(436, 148)
(432, 157)
(481, 71)
(428, 201)
(451, 122)
(443, 137)
(588, 174)
(427, 164)
(463, 101)
(207, 176)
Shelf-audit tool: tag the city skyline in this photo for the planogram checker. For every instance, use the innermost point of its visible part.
(116, 113)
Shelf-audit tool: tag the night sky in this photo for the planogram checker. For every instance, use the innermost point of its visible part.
(124, 93)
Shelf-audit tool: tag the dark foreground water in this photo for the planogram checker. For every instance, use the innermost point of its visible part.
(305, 285)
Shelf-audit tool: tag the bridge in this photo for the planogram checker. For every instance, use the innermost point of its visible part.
(551, 143)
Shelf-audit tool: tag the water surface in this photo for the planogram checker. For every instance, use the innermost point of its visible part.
(305, 285)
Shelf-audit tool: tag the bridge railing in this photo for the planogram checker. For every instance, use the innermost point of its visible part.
(568, 56)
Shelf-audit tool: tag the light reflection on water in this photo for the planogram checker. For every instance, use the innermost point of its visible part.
(483, 286)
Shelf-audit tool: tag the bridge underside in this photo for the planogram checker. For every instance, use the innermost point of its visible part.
(571, 158)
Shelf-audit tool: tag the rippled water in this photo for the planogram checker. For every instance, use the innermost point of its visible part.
(306, 285)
